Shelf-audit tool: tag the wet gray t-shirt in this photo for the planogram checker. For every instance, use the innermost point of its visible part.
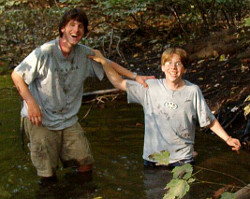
(170, 117)
(57, 82)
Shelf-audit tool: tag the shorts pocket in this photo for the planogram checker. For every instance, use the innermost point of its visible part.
(38, 156)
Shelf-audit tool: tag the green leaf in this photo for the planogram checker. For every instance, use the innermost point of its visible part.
(247, 21)
(176, 189)
(10, 3)
(4, 193)
(222, 58)
(247, 99)
(63, 1)
(183, 172)
(247, 107)
(161, 158)
(247, 110)
(227, 195)
(191, 180)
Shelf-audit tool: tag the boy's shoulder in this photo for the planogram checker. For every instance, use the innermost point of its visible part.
(155, 81)
(191, 86)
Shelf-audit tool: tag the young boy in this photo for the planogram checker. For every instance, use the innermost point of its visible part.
(50, 80)
(172, 106)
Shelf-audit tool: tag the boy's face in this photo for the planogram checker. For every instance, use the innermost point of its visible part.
(174, 69)
(73, 32)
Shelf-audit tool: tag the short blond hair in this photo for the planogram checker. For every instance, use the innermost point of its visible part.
(168, 54)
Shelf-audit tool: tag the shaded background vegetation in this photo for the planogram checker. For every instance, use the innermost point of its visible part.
(121, 26)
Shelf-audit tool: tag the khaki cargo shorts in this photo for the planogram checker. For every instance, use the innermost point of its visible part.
(47, 147)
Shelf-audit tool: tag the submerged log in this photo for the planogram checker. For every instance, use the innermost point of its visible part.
(243, 193)
(101, 92)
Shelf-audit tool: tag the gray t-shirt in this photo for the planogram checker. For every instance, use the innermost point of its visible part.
(57, 82)
(170, 117)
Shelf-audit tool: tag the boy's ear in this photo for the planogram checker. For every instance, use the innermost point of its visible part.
(162, 68)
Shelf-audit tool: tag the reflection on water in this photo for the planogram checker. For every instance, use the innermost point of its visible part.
(155, 181)
(115, 132)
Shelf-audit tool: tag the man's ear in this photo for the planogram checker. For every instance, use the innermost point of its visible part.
(63, 29)
(185, 71)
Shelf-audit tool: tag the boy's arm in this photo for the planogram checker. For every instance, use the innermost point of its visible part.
(218, 130)
(111, 73)
(34, 112)
(125, 72)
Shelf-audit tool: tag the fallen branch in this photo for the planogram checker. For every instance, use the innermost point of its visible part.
(101, 92)
(243, 193)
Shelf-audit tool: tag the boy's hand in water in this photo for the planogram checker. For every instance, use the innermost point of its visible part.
(234, 143)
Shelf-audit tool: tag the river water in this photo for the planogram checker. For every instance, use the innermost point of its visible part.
(115, 131)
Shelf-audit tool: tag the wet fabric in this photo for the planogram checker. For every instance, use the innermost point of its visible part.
(170, 117)
(57, 82)
(47, 147)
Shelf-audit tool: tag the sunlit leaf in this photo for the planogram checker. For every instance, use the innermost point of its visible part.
(200, 61)
(136, 55)
(161, 158)
(228, 195)
(222, 58)
(153, 41)
(247, 99)
(247, 21)
(247, 110)
(191, 180)
(177, 188)
(10, 3)
(184, 171)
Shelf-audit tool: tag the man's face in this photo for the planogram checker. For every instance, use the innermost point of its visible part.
(174, 69)
(73, 32)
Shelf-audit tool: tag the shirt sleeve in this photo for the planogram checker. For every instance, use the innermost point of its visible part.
(28, 68)
(136, 92)
(205, 116)
(95, 69)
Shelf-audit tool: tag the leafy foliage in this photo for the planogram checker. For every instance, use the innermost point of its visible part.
(247, 21)
(183, 172)
(4, 193)
(180, 184)
(247, 107)
(177, 188)
(161, 158)
(182, 178)
(228, 195)
(70, 1)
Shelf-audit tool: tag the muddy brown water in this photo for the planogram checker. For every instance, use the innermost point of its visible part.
(115, 131)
